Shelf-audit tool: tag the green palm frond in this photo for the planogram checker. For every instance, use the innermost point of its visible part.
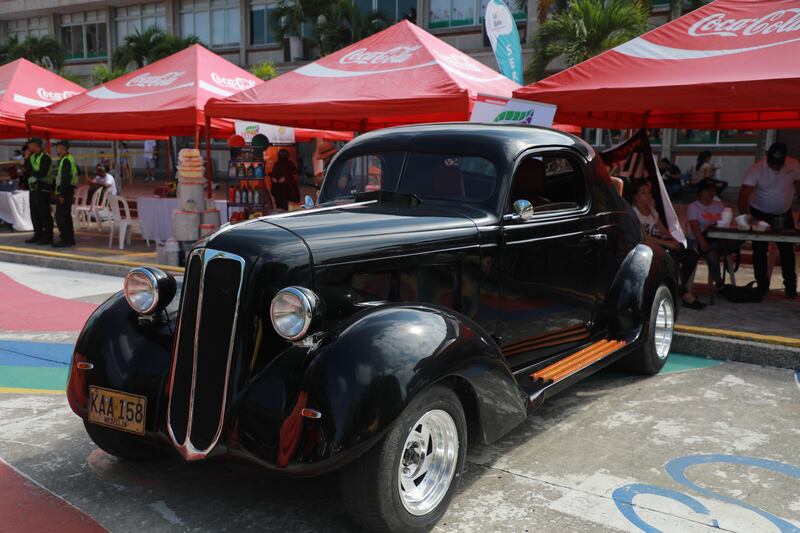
(137, 47)
(586, 28)
(45, 51)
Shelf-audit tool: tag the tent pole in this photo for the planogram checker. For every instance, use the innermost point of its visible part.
(169, 159)
(209, 170)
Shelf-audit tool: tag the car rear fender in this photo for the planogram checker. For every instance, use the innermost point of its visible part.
(628, 301)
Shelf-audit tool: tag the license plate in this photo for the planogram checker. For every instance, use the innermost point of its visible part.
(117, 410)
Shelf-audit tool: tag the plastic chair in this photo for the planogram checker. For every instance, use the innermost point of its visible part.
(100, 212)
(81, 199)
(81, 212)
(120, 219)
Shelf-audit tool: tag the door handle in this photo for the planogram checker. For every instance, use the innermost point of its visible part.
(595, 237)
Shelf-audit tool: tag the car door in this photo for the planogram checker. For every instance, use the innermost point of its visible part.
(549, 261)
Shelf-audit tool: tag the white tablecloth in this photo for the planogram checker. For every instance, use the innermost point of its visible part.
(155, 216)
(16, 210)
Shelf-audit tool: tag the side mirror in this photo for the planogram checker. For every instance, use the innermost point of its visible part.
(523, 210)
(308, 202)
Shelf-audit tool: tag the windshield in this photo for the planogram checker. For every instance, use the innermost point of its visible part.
(449, 177)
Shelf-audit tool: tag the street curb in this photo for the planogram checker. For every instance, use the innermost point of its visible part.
(64, 261)
(739, 335)
(741, 351)
(79, 265)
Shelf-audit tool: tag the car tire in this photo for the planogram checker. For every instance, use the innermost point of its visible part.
(657, 335)
(374, 488)
(121, 444)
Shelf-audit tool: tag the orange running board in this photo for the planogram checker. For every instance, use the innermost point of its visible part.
(577, 361)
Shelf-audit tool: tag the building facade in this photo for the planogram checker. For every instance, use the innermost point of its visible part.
(242, 32)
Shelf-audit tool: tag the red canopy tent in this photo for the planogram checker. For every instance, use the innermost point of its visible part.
(402, 75)
(25, 86)
(730, 64)
(165, 98)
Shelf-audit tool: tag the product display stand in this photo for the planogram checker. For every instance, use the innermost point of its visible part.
(247, 192)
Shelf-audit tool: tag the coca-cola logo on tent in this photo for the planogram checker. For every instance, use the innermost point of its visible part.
(53, 96)
(237, 84)
(459, 61)
(154, 80)
(365, 56)
(720, 24)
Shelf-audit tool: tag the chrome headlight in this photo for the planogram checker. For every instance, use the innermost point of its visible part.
(148, 289)
(294, 311)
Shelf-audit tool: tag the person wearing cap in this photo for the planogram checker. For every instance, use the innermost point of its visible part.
(38, 169)
(767, 192)
(66, 181)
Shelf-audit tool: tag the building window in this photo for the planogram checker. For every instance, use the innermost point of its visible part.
(130, 19)
(215, 23)
(394, 9)
(30, 27)
(262, 30)
(459, 13)
(84, 35)
(749, 137)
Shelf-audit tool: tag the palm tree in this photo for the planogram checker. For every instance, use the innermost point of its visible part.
(288, 17)
(45, 51)
(586, 28)
(169, 44)
(137, 48)
(344, 24)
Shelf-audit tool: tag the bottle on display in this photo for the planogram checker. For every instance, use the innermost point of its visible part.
(231, 195)
(241, 171)
(256, 195)
(251, 170)
(260, 170)
(232, 170)
(237, 199)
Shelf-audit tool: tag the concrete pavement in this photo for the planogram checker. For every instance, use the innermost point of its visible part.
(704, 446)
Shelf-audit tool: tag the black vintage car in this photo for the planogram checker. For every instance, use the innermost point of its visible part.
(452, 277)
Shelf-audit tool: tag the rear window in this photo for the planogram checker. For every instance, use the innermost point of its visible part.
(439, 176)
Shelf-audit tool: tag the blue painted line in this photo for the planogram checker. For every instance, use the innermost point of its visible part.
(623, 498)
(35, 354)
(676, 469)
(797, 377)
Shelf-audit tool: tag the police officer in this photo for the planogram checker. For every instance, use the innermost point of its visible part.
(40, 184)
(66, 181)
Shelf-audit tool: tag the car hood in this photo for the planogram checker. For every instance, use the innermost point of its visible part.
(370, 230)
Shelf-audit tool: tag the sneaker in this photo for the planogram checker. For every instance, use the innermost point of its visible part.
(790, 292)
(33, 240)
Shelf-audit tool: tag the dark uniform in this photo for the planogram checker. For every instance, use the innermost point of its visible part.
(66, 181)
(40, 183)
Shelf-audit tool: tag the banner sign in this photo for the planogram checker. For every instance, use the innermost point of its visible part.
(502, 32)
(275, 134)
(492, 109)
(634, 159)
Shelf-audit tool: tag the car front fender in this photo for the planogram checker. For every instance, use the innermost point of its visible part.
(124, 355)
(363, 376)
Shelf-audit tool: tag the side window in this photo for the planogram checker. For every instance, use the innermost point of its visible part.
(550, 182)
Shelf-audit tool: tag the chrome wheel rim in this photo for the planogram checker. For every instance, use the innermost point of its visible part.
(428, 462)
(665, 322)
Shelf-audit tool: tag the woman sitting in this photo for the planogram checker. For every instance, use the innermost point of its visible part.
(705, 170)
(656, 234)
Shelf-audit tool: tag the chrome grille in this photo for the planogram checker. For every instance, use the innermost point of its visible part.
(201, 358)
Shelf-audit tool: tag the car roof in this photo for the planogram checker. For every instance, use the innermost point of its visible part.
(506, 139)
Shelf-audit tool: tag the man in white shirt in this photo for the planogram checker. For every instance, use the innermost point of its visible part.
(105, 179)
(767, 193)
(150, 160)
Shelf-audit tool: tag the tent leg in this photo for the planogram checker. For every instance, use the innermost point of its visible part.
(169, 159)
(209, 170)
